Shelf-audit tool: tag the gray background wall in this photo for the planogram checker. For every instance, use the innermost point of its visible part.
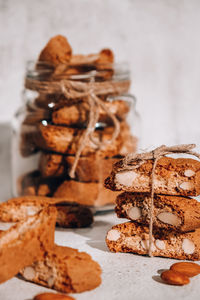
(159, 39)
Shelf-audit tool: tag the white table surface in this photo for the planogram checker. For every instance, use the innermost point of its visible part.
(125, 276)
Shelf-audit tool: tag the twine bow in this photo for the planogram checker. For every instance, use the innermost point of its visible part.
(90, 92)
(133, 161)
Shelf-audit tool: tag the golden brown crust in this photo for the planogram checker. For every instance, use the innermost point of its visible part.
(73, 215)
(132, 237)
(89, 168)
(33, 184)
(65, 140)
(170, 177)
(87, 193)
(57, 50)
(69, 215)
(67, 270)
(78, 114)
(186, 209)
(52, 296)
(26, 242)
(105, 56)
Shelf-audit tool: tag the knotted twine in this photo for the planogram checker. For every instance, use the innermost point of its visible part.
(86, 91)
(133, 161)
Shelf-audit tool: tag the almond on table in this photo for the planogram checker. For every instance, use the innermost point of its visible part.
(187, 268)
(174, 278)
(52, 296)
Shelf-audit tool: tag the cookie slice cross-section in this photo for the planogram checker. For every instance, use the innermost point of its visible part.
(173, 176)
(134, 238)
(26, 242)
(66, 270)
(177, 213)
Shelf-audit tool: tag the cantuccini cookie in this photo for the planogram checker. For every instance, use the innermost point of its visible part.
(47, 101)
(57, 51)
(173, 176)
(36, 114)
(33, 184)
(78, 113)
(66, 140)
(132, 237)
(89, 168)
(65, 269)
(170, 212)
(73, 215)
(26, 242)
(87, 193)
(69, 215)
(104, 56)
(27, 145)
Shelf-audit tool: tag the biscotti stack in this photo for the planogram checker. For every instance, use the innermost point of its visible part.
(175, 216)
(56, 122)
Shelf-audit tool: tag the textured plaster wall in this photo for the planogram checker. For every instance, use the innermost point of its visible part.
(159, 39)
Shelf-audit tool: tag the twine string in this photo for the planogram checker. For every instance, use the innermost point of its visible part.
(74, 89)
(90, 92)
(133, 161)
(94, 104)
(151, 211)
(100, 104)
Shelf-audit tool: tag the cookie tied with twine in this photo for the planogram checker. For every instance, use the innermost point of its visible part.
(133, 161)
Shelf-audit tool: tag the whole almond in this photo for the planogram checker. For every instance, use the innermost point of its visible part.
(187, 268)
(52, 296)
(174, 277)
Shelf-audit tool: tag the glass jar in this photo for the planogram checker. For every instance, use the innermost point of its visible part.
(73, 125)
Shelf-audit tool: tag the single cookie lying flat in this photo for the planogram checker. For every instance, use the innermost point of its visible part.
(69, 215)
(65, 269)
(87, 193)
(26, 242)
(170, 212)
(89, 168)
(132, 237)
(179, 176)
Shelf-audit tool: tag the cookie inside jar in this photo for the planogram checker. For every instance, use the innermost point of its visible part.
(77, 120)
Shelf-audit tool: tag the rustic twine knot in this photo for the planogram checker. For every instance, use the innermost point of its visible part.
(95, 104)
(90, 92)
(133, 161)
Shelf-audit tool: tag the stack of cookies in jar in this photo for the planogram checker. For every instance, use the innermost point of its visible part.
(75, 124)
(175, 215)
